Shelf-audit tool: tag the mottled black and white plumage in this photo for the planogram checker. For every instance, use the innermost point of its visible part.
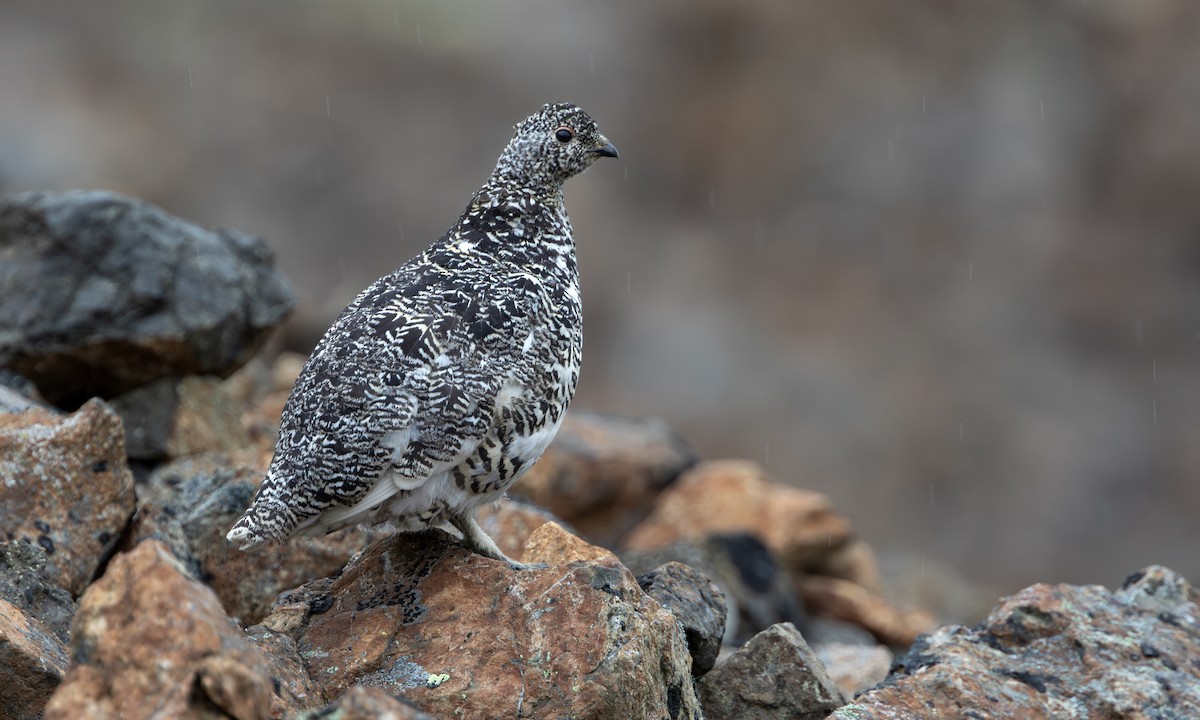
(443, 382)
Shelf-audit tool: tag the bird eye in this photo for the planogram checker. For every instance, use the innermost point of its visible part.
(564, 134)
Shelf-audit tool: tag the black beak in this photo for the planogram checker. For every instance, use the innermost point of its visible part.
(608, 150)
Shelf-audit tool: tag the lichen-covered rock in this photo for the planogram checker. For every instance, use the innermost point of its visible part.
(32, 663)
(175, 417)
(104, 293)
(367, 703)
(465, 636)
(775, 676)
(65, 486)
(800, 527)
(602, 472)
(150, 642)
(1056, 652)
(696, 603)
(189, 504)
(24, 583)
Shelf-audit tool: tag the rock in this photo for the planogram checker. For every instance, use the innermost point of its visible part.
(150, 642)
(735, 496)
(467, 637)
(855, 668)
(758, 594)
(1056, 651)
(368, 703)
(774, 676)
(24, 583)
(696, 603)
(190, 504)
(104, 293)
(32, 663)
(602, 472)
(16, 393)
(853, 603)
(174, 417)
(293, 687)
(553, 545)
(511, 522)
(65, 486)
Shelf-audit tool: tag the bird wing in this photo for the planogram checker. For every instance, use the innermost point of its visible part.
(406, 379)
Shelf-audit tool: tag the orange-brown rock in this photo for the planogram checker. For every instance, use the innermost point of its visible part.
(191, 503)
(553, 545)
(32, 663)
(602, 472)
(848, 601)
(148, 641)
(65, 485)
(733, 496)
(467, 637)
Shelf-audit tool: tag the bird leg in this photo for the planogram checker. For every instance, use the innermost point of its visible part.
(476, 540)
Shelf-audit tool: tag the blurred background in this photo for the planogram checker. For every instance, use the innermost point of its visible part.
(939, 260)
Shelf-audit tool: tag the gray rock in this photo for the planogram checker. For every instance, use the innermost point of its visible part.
(775, 676)
(1056, 651)
(104, 293)
(696, 603)
(758, 594)
(66, 487)
(23, 583)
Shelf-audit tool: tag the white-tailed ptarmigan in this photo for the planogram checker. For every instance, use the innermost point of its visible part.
(443, 382)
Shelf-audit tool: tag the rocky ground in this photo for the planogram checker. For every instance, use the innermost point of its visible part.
(675, 587)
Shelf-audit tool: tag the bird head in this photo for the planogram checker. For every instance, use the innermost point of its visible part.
(553, 144)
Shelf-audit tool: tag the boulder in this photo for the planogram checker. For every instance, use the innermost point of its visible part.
(189, 504)
(1056, 652)
(465, 636)
(852, 603)
(800, 527)
(32, 663)
(775, 676)
(104, 293)
(696, 603)
(602, 472)
(65, 486)
(148, 641)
